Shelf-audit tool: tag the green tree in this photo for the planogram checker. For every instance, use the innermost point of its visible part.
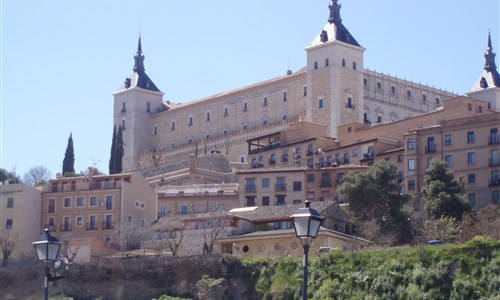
(112, 154)
(119, 151)
(69, 158)
(375, 196)
(12, 177)
(442, 192)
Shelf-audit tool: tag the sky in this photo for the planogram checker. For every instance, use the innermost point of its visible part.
(62, 60)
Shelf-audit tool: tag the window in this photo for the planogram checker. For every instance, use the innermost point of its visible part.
(264, 104)
(245, 107)
(9, 224)
(310, 177)
(325, 180)
(200, 208)
(343, 62)
(429, 161)
(495, 197)
(410, 144)
(10, 202)
(250, 201)
(184, 210)
(109, 202)
(80, 201)
(393, 90)
(250, 185)
(109, 222)
(327, 62)
(494, 138)
(124, 108)
(297, 186)
(284, 117)
(379, 119)
(297, 152)
(155, 130)
(226, 113)
(315, 65)
(304, 92)
(148, 107)
(93, 201)
(479, 109)
(349, 103)
(354, 65)
(431, 144)
(472, 199)
(190, 122)
(449, 160)
(265, 182)
(438, 102)
(400, 157)
(272, 160)
(285, 96)
(411, 165)
(447, 139)
(172, 126)
(320, 103)
(411, 185)
(79, 221)
(280, 184)
(163, 211)
(469, 106)
(280, 200)
(93, 223)
(67, 202)
(408, 94)
(471, 178)
(208, 116)
(470, 137)
(265, 201)
(52, 205)
(424, 98)
(471, 158)
(123, 125)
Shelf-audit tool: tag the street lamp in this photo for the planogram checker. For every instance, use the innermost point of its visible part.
(47, 251)
(306, 222)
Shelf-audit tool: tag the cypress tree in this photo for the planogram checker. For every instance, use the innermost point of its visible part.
(119, 151)
(112, 154)
(69, 158)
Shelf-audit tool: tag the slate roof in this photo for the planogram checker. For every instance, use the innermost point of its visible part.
(334, 29)
(139, 78)
(489, 77)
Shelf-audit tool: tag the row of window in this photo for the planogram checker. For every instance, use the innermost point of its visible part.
(471, 160)
(92, 223)
(493, 138)
(279, 200)
(124, 107)
(408, 92)
(184, 209)
(327, 64)
(81, 202)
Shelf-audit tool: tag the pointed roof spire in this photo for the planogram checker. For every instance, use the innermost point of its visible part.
(334, 12)
(489, 56)
(139, 58)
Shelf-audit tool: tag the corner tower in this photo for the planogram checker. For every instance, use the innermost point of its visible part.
(487, 87)
(134, 104)
(335, 75)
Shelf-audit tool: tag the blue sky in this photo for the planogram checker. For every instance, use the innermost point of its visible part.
(62, 60)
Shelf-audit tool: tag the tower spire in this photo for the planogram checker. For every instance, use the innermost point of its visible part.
(489, 56)
(334, 12)
(139, 58)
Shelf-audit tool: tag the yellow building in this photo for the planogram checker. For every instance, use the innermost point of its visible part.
(90, 210)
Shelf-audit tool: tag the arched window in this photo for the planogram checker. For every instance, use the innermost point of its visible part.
(343, 62)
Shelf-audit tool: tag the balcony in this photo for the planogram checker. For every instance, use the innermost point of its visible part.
(494, 162)
(91, 226)
(281, 187)
(430, 149)
(493, 139)
(51, 228)
(279, 203)
(284, 158)
(272, 161)
(494, 182)
(65, 227)
(326, 183)
(250, 188)
(107, 225)
(310, 152)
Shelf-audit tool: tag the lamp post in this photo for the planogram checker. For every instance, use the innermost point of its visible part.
(47, 251)
(306, 222)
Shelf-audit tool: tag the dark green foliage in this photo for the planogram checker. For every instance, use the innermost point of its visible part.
(442, 193)
(117, 150)
(112, 153)
(12, 177)
(69, 158)
(468, 271)
(374, 197)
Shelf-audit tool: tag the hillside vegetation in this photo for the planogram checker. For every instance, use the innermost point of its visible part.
(467, 271)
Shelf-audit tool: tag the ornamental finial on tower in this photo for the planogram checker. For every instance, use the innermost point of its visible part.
(334, 12)
(139, 58)
(489, 56)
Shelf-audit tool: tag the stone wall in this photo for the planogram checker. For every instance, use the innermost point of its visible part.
(137, 278)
